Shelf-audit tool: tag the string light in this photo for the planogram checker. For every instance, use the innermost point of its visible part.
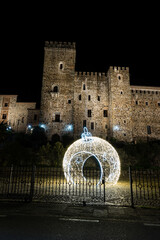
(88, 146)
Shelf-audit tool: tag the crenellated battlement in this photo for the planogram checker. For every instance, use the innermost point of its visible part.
(54, 44)
(118, 68)
(99, 74)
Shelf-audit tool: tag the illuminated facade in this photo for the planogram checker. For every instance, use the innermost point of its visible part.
(17, 114)
(105, 103)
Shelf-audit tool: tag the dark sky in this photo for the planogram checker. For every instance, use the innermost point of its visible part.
(131, 40)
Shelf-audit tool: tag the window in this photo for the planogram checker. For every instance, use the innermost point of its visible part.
(84, 123)
(22, 119)
(69, 101)
(105, 113)
(89, 97)
(61, 66)
(84, 87)
(121, 92)
(57, 118)
(146, 103)
(136, 102)
(35, 117)
(106, 126)
(6, 104)
(148, 129)
(158, 104)
(98, 98)
(80, 98)
(89, 113)
(92, 125)
(55, 89)
(4, 116)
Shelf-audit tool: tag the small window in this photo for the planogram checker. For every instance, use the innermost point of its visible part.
(84, 123)
(4, 116)
(84, 87)
(55, 89)
(69, 101)
(124, 134)
(106, 126)
(89, 113)
(57, 118)
(121, 92)
(6, 104)
(146, 103)
(35, 117)
(99, 98)
(148, 129)
(105, 113)
(61, 66)
(158, 104)
(136, 102)
(89, 97)
(80, 98)
(92, 125)
(22, 119)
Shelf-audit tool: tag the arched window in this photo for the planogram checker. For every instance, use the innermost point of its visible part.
(61, 66)
(55, 89)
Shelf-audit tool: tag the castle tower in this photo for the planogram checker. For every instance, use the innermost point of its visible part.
(120, 109)
(57, 87)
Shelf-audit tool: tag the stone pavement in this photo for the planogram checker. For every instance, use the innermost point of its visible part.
(103, 212)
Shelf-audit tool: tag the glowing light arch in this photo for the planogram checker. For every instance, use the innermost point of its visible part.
(81, 150)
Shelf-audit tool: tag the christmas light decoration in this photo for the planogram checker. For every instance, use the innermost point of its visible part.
(88, 146)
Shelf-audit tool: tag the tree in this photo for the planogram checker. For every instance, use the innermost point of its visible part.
(38, 137)
(5, 132)
(58, 152)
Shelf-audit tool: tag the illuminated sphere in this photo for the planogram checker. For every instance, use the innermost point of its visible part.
(88, 146)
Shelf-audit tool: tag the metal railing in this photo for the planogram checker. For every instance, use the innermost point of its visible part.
(49, 184)
(144, 187)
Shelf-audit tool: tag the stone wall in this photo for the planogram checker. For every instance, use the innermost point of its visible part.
(120, 112)
(57, 95)
(16, 112)
(103, 102)
(90, 101)
(145, 112)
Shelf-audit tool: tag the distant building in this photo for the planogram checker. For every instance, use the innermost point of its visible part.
(16, 114)
(105, 102)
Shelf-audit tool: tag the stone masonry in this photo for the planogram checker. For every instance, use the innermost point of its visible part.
(105, 103)
(14, 113)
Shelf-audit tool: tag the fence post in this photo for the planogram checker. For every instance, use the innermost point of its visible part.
(104, 191)
(131, 189)
(32, 183)
(10, 180)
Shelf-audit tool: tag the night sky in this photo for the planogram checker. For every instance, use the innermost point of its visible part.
(132, 40)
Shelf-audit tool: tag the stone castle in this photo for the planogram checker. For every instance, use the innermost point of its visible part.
(105, 102)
